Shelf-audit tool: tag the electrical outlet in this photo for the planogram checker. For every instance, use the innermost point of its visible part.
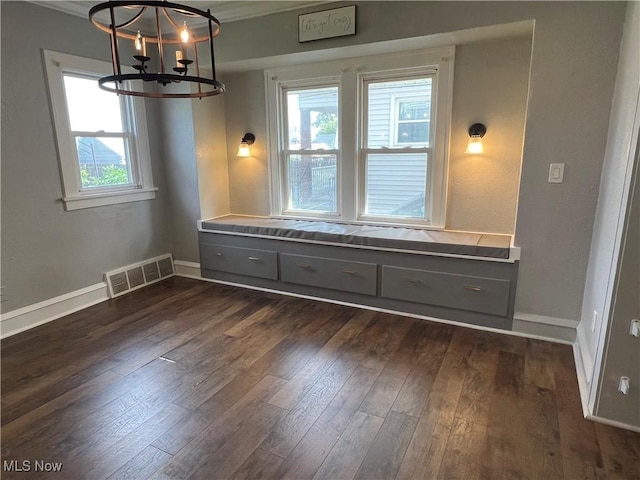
(634, 331)
(594, 321)
(624, 385)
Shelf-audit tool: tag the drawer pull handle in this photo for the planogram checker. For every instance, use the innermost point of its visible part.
(255, 259)
(306, 266)
(350, 272)
(218, 254)
(473, 288)
(413, 281)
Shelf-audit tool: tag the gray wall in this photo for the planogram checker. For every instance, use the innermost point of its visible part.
(195, 157)
(179, 152)
(491, 86)
(574, 54)
(245, 111)
(211, 156)
(46, 251)
(616, 308)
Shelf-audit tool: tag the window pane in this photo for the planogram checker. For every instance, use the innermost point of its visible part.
(312, 182)
(413, 132)
(396, 184)
(391, 105)
(312, 118)
(90, 108)
(417, 110)
(103, 162)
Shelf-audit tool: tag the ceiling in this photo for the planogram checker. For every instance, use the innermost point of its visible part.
(224, 11)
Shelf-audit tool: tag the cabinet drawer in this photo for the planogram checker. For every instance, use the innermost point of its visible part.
(341, 275)
(243, 261)
(462, 292)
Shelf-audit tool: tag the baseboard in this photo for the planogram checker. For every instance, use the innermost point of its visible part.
(187, 269)
(584, 369)
(554, 329)
(613, 423)
(43, 312)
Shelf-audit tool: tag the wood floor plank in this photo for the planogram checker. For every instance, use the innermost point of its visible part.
(306, 458)
(542, 431)
(113, 455)
(427, 446)
(430, 348)
(59, 404)
(385, 455)
(539, 365)
(620, 451)
(188, 379)
(261, 465)
(91, 413)
(293, 426)
(581, 455)
(237, 448)
(474, 402)
(300, 384)
(343, 406)
(463, 454)
(348, 453)
(246, 411)
(507, 423)
(142, 465)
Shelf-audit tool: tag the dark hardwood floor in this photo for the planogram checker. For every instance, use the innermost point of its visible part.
(187, 379)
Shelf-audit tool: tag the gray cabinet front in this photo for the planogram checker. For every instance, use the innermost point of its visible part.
(478, 294)
(356, 277)
(242, 261)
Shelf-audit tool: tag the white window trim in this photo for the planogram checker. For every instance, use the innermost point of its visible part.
(74, 197)
(350, 73)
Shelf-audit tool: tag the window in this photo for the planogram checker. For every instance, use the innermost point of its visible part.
(362, 140)
(310, 157)
(102, 139)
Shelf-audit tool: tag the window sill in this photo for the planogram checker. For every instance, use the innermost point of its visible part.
(112, 198)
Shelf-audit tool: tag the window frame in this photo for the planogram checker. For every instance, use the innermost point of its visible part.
(75, 196)
(351, 74)
(285, 152)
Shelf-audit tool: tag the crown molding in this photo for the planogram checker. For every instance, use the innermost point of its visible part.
(225, 11)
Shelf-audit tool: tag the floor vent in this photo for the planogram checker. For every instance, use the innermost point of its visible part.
(132, 277)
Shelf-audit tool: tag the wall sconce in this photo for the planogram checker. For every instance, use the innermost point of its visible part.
(476, 132)
(243, 149)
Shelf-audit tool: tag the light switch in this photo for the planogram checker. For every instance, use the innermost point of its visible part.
(556, 172)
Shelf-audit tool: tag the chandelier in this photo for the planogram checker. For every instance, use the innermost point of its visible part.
(158, 41)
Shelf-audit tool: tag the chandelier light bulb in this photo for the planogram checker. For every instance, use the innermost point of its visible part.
(184, 33)
(140, 44)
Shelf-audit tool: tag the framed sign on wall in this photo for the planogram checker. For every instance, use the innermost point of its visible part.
(336, 22)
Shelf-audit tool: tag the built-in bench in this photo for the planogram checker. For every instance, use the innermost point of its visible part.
(395, 238)
(466, 277)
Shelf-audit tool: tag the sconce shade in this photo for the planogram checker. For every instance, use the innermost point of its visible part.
(476, 132)
(243, 149)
